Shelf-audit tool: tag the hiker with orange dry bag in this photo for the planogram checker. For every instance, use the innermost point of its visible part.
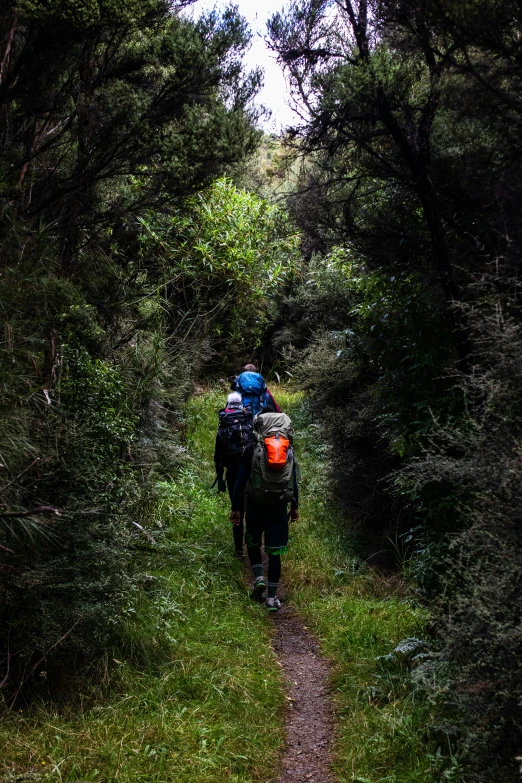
(267, 480)
(235, 433)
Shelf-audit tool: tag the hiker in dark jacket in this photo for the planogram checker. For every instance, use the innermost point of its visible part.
(267, 473)
(253, 389)
(234, 434)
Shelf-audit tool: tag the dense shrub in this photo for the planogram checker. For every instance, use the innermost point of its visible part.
(372, 346)
(410, 176)
(479, 611)
(114, 279)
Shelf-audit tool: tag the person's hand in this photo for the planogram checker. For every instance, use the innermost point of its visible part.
(222, 484)
(235, 517)
(294, 515)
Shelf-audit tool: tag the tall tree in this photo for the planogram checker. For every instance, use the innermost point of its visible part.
(370, 89)
(411, 129)
(98, 92)
(111, 112)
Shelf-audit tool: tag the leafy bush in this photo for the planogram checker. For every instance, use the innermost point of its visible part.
(223, 255)
(114, 116)
(373, 369)
(478, 458)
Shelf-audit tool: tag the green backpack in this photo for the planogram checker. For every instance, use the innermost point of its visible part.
(272, 475)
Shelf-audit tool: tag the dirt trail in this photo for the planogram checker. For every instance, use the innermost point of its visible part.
(309, 725)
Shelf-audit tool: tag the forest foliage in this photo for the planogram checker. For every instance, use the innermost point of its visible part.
(129, 260)
(405, 327)
(133, 263)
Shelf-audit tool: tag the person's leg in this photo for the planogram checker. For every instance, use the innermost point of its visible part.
(237, 530)
(256, 561)
(276, 544)
(274, 574)
(253, 536)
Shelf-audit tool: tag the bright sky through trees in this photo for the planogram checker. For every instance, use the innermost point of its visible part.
(275, 93)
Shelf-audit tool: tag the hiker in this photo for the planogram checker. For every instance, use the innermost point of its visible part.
(267, 477)
(235, 433)
(253, 389)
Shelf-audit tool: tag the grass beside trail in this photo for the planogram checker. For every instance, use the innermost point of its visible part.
(196, 696)
(358, 616)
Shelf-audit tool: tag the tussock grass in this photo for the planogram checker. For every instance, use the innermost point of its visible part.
(194, 692)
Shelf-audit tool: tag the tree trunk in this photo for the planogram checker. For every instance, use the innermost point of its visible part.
(449, 285)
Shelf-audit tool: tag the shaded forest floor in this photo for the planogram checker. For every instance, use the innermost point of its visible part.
(195, 693)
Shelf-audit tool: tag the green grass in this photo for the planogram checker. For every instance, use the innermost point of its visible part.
(195, 694)
(358, 615)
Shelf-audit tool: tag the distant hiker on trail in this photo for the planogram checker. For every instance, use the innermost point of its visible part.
(267, 476)
(235, 433)
(253, 389)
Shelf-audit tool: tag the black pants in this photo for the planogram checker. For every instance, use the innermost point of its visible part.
(237, 530)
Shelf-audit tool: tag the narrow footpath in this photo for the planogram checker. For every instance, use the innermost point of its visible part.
(309, 720)
(309, 724)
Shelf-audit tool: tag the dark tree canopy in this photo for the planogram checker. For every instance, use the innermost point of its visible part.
(118, 120)
(93, 93)
(390, 94)
(409, 201)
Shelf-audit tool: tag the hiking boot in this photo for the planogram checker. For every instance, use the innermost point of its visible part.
(258, 589)
(238, 554)
(273, 604)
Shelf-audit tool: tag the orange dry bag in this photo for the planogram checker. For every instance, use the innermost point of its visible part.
(276, 449)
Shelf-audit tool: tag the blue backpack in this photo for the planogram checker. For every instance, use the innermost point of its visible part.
(252, 387)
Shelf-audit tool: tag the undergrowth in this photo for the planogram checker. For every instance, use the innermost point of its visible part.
(370, 626)
(193, 694)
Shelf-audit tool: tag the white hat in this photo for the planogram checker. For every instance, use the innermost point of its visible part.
(234, 398)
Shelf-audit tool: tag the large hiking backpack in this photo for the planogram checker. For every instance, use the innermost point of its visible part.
(273, 461)
(236, 432)
(252, 387)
